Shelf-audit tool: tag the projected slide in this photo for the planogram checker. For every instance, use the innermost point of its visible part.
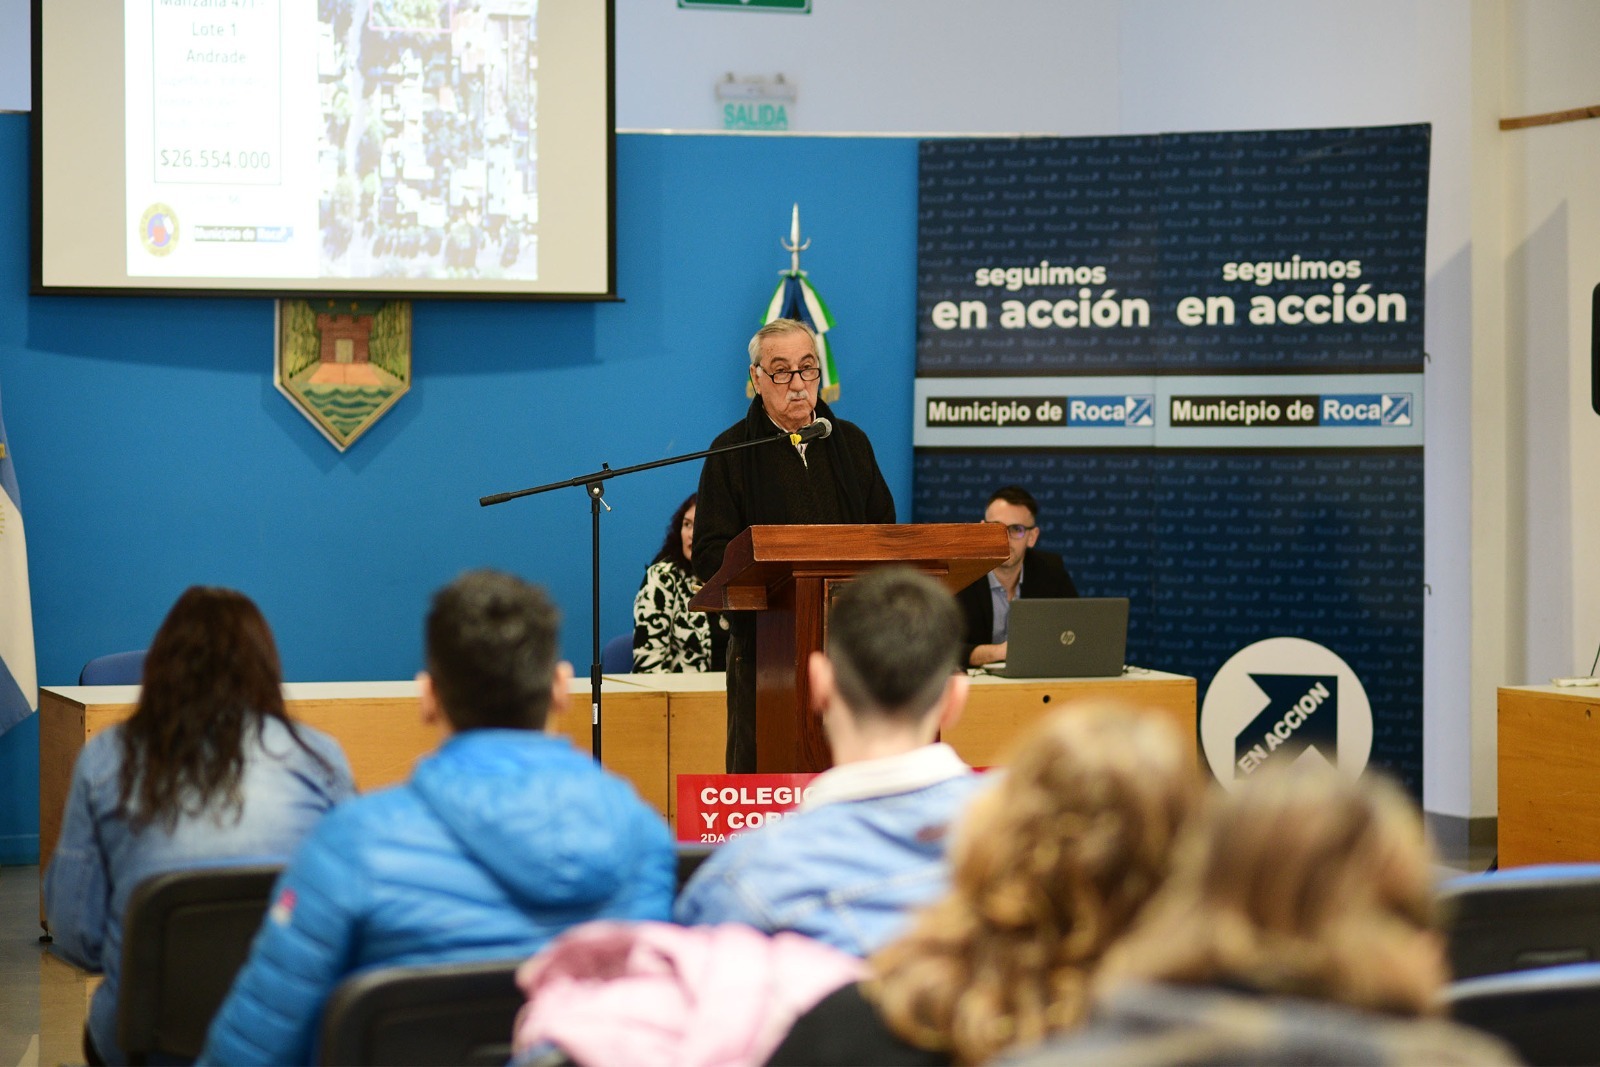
(371, 139)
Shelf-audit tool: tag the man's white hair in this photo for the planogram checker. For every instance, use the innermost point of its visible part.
(773, 329)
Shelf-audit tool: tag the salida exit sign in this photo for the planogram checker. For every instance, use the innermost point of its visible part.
(750, 115)
(755, 102)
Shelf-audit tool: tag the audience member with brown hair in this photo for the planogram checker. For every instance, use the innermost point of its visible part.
(208, 768)
(867, 845)
(1048, 869)
(1296, 927)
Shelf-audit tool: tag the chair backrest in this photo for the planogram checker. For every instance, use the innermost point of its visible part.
(185, 936)
(446, 1013)
(616, 655)
(1547, 1016)
(1522, 918)
(690, 856)
(119, 668)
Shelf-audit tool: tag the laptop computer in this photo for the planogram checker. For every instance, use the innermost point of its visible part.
(1074, 637)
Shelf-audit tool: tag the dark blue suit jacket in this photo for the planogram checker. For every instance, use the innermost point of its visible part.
(1043, 575)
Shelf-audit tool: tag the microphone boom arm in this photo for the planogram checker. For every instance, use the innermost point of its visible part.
(594, 485)
(606, 473)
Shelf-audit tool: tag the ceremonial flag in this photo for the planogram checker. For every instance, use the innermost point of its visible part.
(19, 681)
(796, 298)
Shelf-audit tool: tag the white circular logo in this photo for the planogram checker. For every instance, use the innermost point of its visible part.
(1281, 700)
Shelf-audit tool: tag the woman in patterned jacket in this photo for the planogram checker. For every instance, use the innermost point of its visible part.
(667, 636)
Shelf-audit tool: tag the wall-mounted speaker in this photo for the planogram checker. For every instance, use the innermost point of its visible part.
(1594, 350)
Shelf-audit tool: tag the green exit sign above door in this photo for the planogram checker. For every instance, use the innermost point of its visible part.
(798, 7)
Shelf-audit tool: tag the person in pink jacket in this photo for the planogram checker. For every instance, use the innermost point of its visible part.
(611, 993)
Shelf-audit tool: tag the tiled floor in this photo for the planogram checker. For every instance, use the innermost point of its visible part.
(42, 1000)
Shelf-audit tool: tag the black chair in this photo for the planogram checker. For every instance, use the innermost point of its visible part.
(1522, 918)
(184, 938)
(446, 1013)
(690, 856)
(1548, 1015)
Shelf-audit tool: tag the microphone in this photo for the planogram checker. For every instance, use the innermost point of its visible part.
(815, 432)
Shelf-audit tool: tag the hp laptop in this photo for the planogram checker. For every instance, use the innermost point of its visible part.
(1078, 637)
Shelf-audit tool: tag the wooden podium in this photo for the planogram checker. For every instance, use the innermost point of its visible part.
(787, 575)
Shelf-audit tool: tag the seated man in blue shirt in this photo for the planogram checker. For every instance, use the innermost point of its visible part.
(501, 839)
(868, 843)
(1027, 572)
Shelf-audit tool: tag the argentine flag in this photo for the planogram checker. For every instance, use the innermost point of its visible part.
(19, 684)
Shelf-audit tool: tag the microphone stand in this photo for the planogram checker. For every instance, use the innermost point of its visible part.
(593, 484)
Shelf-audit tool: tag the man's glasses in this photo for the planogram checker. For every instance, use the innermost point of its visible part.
(808, 373)
(1015, 530)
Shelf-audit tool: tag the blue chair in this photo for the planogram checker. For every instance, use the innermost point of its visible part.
(616, 656)
(1547, 1015)
(1522, 918)
(119, 668)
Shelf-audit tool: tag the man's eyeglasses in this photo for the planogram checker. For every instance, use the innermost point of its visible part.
(1015, 530)
(809, 373)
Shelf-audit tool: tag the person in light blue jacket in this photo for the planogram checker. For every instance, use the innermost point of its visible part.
(867, 845)
(207, 771)
(503, 837)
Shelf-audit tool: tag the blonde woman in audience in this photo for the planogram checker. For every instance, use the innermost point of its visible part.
(208, 769)
(1048, 869)
(1296, 927)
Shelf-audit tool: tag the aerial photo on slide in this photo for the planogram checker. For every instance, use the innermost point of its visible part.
(428, 166)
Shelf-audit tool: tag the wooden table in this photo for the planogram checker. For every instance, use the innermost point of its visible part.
(999, 710)
(1549, 774)
(656, 726)
(376, 723)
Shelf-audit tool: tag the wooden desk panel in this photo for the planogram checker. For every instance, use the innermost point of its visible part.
(633, 742)
(699, 734)
(1001, 710)
(657, 726)
(376, 723)
(697, 724)
(1549, 775)
(63, 729)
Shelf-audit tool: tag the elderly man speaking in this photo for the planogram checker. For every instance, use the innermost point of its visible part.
(828, 480)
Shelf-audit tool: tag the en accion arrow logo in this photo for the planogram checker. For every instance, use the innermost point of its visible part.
(1282, 699)
(1302, 712)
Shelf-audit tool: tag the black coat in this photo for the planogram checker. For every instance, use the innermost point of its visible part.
(769, 485)
(1043, 575)
(844, 1030)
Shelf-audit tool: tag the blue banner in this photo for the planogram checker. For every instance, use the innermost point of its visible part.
(1203, 354)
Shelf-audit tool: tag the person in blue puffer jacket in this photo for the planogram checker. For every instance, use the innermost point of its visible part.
(503, 837)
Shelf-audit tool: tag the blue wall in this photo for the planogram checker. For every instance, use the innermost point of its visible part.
(153, 452)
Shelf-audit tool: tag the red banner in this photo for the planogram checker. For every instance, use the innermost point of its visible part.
(714, 807)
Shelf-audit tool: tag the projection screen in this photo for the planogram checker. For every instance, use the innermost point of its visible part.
(408, 148)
